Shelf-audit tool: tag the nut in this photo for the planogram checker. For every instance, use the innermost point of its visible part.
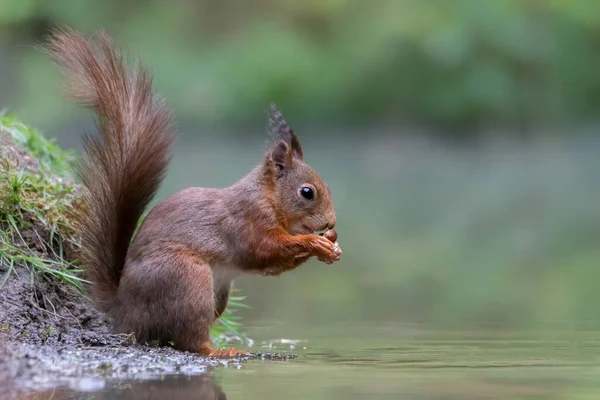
(330, 235)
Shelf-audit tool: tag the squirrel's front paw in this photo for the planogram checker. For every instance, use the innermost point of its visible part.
(331, 235)
(337, 250)
(326, 251)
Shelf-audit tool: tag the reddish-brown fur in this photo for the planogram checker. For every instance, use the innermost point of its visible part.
(173, 280)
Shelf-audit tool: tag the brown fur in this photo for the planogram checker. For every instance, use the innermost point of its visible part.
(173, 280)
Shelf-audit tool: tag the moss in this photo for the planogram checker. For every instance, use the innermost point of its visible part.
(36, 194)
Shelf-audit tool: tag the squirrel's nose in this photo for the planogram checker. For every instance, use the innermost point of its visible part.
(331, 221)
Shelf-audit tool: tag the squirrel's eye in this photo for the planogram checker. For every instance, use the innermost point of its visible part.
(307, 193)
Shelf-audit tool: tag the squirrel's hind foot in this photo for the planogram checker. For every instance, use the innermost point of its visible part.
(227, 353)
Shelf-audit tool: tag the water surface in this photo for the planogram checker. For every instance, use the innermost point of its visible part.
(389, 362)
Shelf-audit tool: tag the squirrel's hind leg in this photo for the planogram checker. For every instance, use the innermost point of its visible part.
(196, 308)
(170, 298)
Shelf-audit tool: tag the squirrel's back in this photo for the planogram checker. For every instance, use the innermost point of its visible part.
(126, 163)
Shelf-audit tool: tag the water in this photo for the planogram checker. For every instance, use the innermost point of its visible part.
(390, 362)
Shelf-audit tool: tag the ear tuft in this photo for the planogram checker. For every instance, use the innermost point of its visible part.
(281, 156)
(280, 130)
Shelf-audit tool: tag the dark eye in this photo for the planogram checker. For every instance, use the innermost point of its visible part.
(307, 193)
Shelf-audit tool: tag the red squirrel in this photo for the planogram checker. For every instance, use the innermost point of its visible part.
(171, 281)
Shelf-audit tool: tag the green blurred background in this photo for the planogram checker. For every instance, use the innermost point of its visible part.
(459, 139)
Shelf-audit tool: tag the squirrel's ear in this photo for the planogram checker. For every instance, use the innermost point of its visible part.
(281, 156)
(280, 130)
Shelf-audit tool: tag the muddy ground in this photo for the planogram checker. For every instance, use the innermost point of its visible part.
(51, 336)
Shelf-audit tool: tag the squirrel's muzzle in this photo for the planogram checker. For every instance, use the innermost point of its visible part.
(330, 221)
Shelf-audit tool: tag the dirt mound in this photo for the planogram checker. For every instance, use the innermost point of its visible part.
(40, 309)
(41, 300)
(38, 305)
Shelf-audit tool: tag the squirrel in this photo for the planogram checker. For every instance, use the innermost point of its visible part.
(169, 279)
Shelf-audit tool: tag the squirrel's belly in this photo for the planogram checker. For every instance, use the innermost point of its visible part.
(223, 276)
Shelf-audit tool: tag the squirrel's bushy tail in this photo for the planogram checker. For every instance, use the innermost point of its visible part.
(126, 163)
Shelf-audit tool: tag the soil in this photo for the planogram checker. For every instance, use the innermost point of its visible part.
(52, 336)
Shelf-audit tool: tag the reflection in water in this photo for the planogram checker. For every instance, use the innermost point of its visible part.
(201, 387)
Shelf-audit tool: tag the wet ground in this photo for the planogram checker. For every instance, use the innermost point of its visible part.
(31, 369)
(51, 336)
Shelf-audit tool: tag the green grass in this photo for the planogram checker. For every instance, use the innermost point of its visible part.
(37, 191)
(229, 326)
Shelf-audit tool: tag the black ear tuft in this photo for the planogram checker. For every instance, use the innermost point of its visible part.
(282, 156)
(280, 130)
